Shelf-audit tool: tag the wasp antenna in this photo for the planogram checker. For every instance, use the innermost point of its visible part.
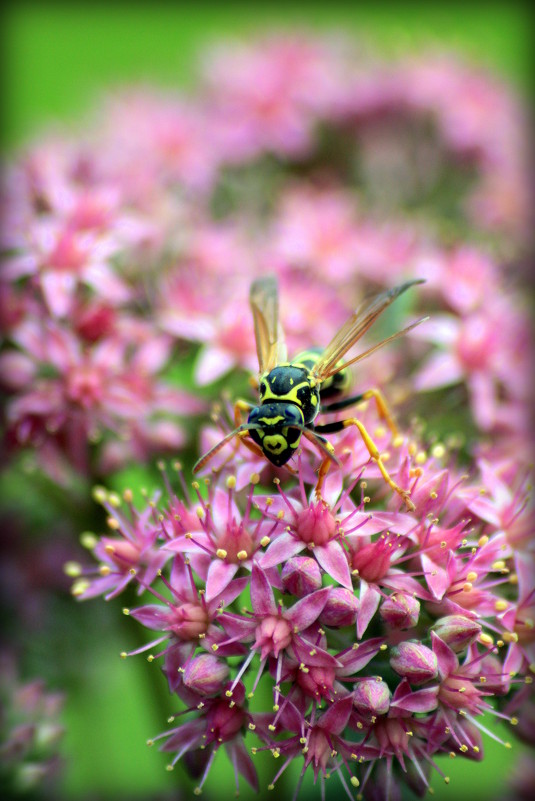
(200, 463)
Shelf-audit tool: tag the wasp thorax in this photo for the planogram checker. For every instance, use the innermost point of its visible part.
(291, 383)
(277, 433)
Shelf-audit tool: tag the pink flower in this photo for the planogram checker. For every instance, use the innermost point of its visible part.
(506, 507)
(131, 554)
(266, 98)
(221, 722)
(225, 540)
(71, 393)
(477, 349)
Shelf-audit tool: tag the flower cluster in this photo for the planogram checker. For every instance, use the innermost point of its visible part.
(112, 241)
(30, 731)
(383, 635)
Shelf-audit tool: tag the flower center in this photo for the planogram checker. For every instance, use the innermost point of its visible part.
(237, 543)
(318, 682)
(84, 387)
(316, 525)
(373, 560)
(459, 693)
(189, 621)
(273, 635)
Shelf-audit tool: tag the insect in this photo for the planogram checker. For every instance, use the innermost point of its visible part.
(292, 394)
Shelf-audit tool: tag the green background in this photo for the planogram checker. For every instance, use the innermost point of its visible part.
(57, 59)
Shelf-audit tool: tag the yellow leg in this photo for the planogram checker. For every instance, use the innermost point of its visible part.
(376, 456)
(239, 407)
(329, 457)
(322, 472)
(383, 410)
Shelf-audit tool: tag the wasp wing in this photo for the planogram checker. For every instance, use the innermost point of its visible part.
(264, 300)
(355, 328)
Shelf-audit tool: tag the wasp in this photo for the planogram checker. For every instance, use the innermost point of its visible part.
(293, 393)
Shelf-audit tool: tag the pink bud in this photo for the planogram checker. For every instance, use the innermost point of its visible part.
(205, 674)
(341, 608)
(457, 631)
(414, 661)
(400, 611)
(301, 575)
(372, 697)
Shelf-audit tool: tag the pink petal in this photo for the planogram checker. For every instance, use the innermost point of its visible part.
(242, 762)
(223, 509)
(282, 548)
(58, 289)
(333, 560)
(437, 577)
(312, 655)
(440, 370)
(262, 598)
(483, 398)
(152, 616)
(153, 355)
(335, 719)
(220, 574)
(354, 659)
(308, 609)
(447, 659)
(369, 601)
(213, 363)
(443, 329)
(419, 701)
(230, 593)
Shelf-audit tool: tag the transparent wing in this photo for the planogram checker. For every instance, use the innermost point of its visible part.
(355, 328)
(264, 300)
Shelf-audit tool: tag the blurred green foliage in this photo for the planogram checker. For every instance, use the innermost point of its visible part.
(58, 57)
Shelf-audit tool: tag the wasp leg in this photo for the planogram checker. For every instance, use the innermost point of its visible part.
(383, 409)
(240, 407)
(329, 457)
(343, 404)
(331, 428)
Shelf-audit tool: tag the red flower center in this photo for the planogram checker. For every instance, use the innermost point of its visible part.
(273, 635)
(316, 525)
(373, 560)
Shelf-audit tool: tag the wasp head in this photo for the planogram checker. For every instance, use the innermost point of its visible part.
(279, 430)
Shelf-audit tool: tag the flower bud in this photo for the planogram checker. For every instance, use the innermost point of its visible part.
(205, 674)
(225, 720)
(400, 611)
(457, 631)
(372, 697)
(414, 661)
(341, 608)
(317, 681)
(301, 575)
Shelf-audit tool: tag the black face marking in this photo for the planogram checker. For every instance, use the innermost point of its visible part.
(278, 435)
